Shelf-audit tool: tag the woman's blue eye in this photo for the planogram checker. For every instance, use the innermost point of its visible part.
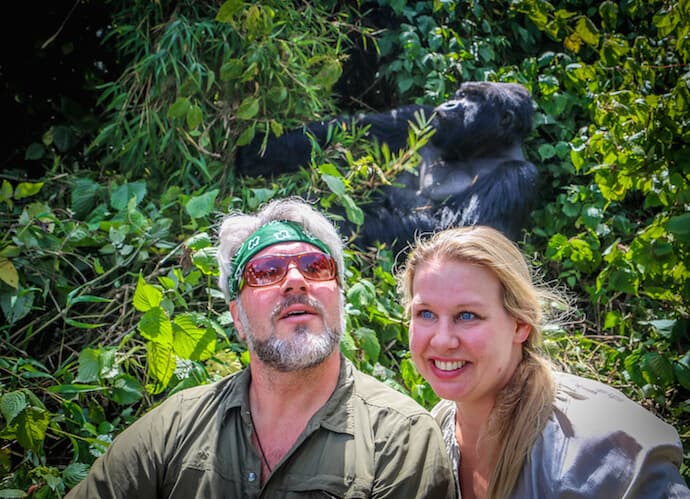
(425, 314)
(466, 316)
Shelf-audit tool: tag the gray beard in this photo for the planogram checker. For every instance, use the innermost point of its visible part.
(302, 350)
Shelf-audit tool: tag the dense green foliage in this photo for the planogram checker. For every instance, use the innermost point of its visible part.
(107, 268)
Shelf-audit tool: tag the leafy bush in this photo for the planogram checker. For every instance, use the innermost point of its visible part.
(107, 279)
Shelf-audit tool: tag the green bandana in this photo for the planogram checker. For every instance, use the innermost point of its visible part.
(278, 231)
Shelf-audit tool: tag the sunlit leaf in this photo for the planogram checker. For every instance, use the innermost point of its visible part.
(146, 296)
(8, 272)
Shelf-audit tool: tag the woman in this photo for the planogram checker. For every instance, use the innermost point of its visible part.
(513, 425)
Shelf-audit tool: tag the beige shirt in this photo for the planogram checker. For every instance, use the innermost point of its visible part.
(368, 440)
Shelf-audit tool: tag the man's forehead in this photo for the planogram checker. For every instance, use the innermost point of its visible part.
(289, 248)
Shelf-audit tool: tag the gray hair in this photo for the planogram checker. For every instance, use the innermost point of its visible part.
(236, 227)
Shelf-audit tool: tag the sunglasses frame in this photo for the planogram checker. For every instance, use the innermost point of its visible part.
(289, 259)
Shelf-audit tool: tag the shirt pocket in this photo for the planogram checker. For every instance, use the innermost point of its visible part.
(322, 486)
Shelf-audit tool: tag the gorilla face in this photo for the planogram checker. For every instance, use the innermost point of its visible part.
(481, 117)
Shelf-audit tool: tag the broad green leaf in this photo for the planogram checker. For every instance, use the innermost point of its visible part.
(146, 296)
(127, 389)
(248, 108)
(6, 193)
(190, 341)
(11, 493)
(354, 213)
(161, 361)
(632, 366)
(199, 241)
(335, 184)
(155, 325)
(347, 345)
(179, 108)
(201, 206)
(679, 226)
(83, 197)
(17, 305)
(34, 151)
(587, 31)
(63, 138)
(247, 136)
(231, 70)
(8, 272)
(205, 260)
(194, 117)
(121, 195)
(229, 10)
(27, 189)
(682, 374)
(31, 428)
(89, 365)
(657, 369)
(11, 404)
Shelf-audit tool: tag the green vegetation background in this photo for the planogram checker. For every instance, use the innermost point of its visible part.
(107, 216)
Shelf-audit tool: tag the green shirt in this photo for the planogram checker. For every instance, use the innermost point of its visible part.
(368, 440)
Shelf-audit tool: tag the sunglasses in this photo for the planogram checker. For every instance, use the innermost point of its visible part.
(270, 269)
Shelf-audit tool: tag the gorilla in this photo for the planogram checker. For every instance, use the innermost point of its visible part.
(472, 171)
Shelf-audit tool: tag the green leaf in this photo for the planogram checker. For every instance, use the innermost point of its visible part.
(201, 206)
(682, 374)
(248, 108)
(34, 151)
(656, 369)
(335, 184)
(194, 117)
(127, 389)
(31, 428)
(11, 404)
(368, 342)
(10, 493)
(63, 138)
(161, 362)
(27, 189)
(679, 226)
(246, 136)
(354, 213)
(229, 10)
(83, 197)
(179, 108)
(199, 241)
(205, 260)
(74, 473)
(146, 296)
(632, 366)
(329, 74)
(75, 388)
(231, 70)
(155, 325)
(89, 365)
(190, 341)
(8, 272)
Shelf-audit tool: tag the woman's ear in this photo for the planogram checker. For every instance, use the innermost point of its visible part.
(236, 319)
(522, 331)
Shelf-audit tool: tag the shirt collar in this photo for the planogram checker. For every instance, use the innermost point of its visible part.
(335, 415)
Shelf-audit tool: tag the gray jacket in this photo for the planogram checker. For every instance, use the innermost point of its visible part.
(596, 443)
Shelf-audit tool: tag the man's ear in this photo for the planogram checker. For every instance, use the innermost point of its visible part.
(522, 331)
(236, 319)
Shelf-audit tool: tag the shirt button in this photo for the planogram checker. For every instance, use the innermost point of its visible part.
(251, 476)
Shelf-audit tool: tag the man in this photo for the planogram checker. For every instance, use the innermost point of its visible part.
(301, 420)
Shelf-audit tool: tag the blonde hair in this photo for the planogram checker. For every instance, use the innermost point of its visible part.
(525, 403)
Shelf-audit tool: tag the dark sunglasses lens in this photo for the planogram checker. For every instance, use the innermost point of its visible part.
(317, 266)
(265, 271)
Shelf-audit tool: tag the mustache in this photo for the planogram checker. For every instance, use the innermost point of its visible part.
(295, 300)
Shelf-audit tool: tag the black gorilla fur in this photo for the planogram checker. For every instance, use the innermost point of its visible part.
(472, 170)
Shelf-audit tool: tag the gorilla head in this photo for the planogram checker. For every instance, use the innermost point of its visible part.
(481, 116)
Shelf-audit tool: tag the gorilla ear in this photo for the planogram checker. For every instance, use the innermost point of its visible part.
(507, 119)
